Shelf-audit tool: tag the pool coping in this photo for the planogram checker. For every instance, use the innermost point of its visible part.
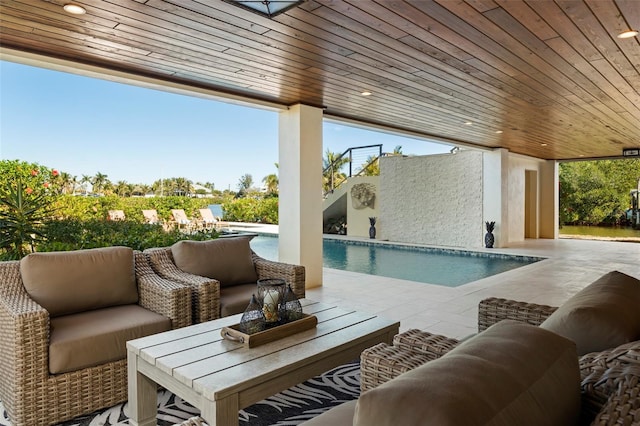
(529, 259)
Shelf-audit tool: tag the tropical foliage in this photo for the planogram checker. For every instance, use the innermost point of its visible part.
(252, 210)
(21, 219)
(332, 165)
(597, 192)
(41, 210)
(74, 234)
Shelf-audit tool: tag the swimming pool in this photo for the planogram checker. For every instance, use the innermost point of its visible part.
(422, 264)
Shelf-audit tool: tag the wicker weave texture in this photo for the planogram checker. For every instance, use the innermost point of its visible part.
(193, 421)
(610, 379)
(494, 310)
(206, 291)
(32, 396)
(294, 275)
(623, 407)
(432, 345)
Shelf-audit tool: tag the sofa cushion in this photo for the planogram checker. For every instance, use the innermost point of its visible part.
(227, 260)
(96, 337)
(603, 315)
(235, 299)
(512, 373)
(81, 280)
(340, 415)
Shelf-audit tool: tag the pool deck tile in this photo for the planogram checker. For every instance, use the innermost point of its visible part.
(571, 265)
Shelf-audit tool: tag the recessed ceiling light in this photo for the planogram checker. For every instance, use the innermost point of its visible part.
(74, 9)
(543, 144)
(468, 123)
(366, 93)
(628, 34)
(581, 155)
(498, 132)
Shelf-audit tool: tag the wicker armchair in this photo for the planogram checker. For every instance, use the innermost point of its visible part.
(207, 293)
(34, 396)
(610, 379)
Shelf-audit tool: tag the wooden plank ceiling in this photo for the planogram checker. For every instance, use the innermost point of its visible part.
(551, 76)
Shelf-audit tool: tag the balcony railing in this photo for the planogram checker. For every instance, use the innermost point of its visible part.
(353, 162)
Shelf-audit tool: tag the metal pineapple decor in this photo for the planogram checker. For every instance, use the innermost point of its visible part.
(488, 237)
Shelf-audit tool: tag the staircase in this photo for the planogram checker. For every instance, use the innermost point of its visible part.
(358, 161)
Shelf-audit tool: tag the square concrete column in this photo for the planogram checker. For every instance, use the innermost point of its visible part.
(549, 200)
(495, 190)
(300, 189)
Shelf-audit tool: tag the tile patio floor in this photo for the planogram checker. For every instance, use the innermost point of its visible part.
(570, 266)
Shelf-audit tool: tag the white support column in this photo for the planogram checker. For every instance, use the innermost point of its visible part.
(300, 188)
(495, 193)
(549, 200)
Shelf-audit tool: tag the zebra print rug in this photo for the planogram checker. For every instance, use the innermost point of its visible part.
(291, 407)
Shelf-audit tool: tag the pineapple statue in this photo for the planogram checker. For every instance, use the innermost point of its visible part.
(488, 237)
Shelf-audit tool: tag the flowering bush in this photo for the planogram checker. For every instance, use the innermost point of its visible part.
(25, 203)
(22, 214)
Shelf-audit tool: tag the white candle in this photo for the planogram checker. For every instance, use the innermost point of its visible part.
(270, 305)
(271, 297)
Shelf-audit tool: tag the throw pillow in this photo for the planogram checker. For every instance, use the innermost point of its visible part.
(81, 280)
(227, 260)
(603, 315)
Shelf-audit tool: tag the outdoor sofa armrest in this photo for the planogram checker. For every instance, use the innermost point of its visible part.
(623, 406)
(165, 297)
(493, 310)
(205, 294)
(608, 376)
(383, 362)
(24, 332)
(292, 274)
(431, 345)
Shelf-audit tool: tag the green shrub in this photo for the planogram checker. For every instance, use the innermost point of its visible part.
(74, 234)
(86, 208)
(254, 210)
(22, 213)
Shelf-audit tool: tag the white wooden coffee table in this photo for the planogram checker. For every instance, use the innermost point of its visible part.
(220, 377)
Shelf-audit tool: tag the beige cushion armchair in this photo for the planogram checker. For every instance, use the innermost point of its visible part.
(65, 318)
(222, 273)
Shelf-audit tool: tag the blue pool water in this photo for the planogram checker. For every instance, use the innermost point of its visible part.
(422, 264)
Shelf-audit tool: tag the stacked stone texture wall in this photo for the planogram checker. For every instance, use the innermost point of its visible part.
(433, 199)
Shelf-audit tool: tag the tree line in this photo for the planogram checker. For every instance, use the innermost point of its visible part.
(597, 192)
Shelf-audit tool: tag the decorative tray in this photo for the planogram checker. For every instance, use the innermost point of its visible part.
(234, 334)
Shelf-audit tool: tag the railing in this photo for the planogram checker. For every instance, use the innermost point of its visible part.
(352, 162)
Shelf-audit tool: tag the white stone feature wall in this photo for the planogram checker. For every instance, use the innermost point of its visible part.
(358, 219)
(433, 199)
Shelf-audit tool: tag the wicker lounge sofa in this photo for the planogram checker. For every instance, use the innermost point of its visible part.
(222, 273)
(64, 321)
(602, 320)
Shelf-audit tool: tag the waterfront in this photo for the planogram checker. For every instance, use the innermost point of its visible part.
(601, 233)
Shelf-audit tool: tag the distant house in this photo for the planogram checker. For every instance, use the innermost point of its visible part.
(201, 191)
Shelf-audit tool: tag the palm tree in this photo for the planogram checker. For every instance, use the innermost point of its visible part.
(183, 186)
(85, 180)
(68, 183)
(371, 167)
(99, 181)
(122, 188)
(332, 175)
(271, 183)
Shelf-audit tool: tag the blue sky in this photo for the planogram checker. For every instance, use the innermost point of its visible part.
(82, 126)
